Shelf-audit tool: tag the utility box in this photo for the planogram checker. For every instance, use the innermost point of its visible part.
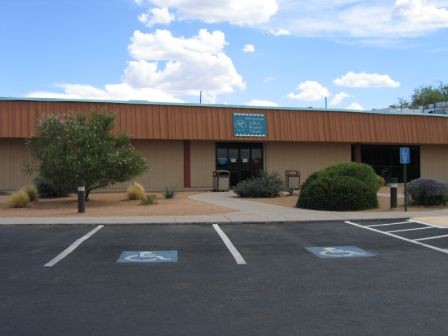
(292, 179)
(221, 180)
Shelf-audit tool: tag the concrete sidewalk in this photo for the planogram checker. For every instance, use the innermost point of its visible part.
(246, 212)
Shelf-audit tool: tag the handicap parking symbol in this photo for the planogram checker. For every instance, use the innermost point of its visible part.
(148, 257)
(339, 252)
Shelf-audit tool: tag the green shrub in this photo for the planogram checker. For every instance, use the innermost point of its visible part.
(338, 193)
(31, 192)
(425, 191)
(148, 199)
(342, 187)
(136, 191)
(265, 185)
(18, 199)
(360, 171)
(169, 193)
(46, 188)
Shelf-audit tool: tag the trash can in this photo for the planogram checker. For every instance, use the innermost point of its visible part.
(221, 180)
(292, 179)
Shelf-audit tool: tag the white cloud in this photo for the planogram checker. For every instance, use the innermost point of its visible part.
(156, 16)
(280, 32)
(122, 91)
(258, 102)
(165, 68)
(269, 79)
(365, 80)
(239, 12)
(375, 21)
(310, 91)
(249, 48)
(338, 98)
(355, 106)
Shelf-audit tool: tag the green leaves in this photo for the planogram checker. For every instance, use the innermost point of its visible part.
(73, 148)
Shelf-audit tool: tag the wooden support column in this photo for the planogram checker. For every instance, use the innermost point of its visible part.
(357, 153)
(187, 164)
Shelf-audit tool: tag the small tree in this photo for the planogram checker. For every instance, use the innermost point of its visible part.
(72, 149)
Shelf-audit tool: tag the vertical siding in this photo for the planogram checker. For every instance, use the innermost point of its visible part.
(305, 157)
(434, 162)
(202, 164)
(13, 153)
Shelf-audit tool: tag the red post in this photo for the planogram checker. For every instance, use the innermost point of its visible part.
(357, 153)
(187, 164)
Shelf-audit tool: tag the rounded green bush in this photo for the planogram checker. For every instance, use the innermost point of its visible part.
(360, 171)
(342, 187)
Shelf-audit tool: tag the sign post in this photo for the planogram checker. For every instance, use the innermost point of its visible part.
(405, 159)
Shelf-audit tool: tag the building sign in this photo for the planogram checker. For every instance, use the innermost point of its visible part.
(245, 124)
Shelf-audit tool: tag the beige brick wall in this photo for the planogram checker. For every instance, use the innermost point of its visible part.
(305, 157)
(202, 164)
(13, 153)
(434, 162)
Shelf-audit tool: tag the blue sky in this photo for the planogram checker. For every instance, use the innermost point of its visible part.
(358, 54)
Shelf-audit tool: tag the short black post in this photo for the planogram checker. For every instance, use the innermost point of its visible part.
(393, 193)
(81, 198)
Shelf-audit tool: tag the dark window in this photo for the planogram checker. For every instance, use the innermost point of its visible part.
(385, 160)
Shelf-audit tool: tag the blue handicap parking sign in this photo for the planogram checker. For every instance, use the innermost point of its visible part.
(148, 257)
(339, 252)
(405, 155)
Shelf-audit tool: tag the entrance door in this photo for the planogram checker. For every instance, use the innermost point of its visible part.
(242, 159)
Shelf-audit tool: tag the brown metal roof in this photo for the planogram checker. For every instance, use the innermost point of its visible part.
(204, 122)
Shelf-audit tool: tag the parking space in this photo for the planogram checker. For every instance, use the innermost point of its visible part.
(414, 232)
(329, 278)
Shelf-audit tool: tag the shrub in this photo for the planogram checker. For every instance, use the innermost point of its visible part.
(148, 199)
(381, 181)
(46, 188)
(18, 199)
(360, 171)
(169, 193)
(265, 185)
(31, 192)
(425, 191)
(342, 187)
(136, 191)
(341, 193)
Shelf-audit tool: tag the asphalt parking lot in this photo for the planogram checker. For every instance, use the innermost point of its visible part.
(329, 278)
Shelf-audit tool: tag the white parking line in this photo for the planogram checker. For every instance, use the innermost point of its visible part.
(238, 257)
(404, 230)
(72, 247)
(397, 223)
(398, 237)
(434, 237)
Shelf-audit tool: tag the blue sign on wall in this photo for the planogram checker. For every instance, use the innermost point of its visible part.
(148, 257)
(245, 124)
(405, 155)
(339, 252)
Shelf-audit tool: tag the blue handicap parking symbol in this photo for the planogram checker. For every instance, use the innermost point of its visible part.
(148, 257)
(339, 252)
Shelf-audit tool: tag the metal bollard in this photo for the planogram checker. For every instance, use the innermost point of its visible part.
(81, 199)
(393, 193)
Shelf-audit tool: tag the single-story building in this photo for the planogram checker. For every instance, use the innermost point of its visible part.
(185, 143)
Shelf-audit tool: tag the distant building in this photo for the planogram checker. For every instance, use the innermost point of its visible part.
(437, 108)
